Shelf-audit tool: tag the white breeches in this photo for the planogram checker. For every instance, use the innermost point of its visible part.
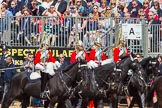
(107, 61)
(92, 64)
(48, 68)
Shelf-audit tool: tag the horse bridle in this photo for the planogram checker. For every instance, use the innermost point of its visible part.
(69, 89)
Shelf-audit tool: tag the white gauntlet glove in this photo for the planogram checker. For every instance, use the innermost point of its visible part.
(79, 55)
(57, 64)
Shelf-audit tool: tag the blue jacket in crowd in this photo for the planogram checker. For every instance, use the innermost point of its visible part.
(8, 74)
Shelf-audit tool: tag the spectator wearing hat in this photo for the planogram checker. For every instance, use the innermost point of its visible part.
(4, 56)
(46, 63)
(79, 53)
(8, 74)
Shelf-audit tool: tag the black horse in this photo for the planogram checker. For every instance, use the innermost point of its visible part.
(149, 65)
(136, 89)
(59, 86)
(138, 80)
(103, 81)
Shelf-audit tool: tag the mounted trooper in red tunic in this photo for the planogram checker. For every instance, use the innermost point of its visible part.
(46, 63)
(97, 56)
(79, 53)
(120, 51)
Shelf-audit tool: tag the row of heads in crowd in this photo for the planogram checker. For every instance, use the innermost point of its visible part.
(96, 7)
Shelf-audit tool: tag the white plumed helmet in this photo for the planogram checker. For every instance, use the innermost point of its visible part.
(98, 40)
(79, 43)
(45, 42)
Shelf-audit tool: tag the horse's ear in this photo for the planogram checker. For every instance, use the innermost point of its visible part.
(131, 56)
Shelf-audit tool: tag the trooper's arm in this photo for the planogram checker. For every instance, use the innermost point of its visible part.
(80, 55)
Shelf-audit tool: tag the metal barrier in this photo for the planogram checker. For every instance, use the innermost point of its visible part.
(65, 31)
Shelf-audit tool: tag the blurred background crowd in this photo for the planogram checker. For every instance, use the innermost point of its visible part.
(33, 19)
(105, 8)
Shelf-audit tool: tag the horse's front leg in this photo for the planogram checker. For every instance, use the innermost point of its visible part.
(98, 103)
(132, 103)
(114, 100)
(46, 104)
(61, 104)
(141, 100)
(84, 103)
(25, 102)
(53, 102)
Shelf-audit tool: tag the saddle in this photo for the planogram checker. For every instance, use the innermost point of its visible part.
(33, 76)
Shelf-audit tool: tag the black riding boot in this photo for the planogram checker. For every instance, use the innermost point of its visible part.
(44, 79)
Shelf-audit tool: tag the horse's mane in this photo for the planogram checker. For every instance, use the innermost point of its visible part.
(103, 72)
(123, 62)
(69, 67)
(105, 67)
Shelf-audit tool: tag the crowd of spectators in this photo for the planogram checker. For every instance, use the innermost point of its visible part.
(58, 18)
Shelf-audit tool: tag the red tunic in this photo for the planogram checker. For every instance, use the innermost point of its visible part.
(92, 55)
(73, 57)
(38, 55)
(116, 53)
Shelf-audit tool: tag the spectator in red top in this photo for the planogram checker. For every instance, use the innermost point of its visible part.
(79, 53)
(120, 51)
(46, 63)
